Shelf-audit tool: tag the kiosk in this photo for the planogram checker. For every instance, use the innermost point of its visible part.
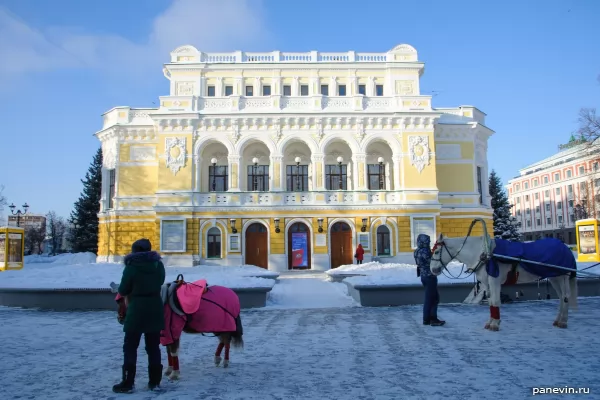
(12, 248)
(587, 240)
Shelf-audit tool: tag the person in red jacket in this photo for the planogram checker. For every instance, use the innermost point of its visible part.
(360, 253)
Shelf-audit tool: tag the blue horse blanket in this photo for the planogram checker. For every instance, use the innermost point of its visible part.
(548, 250)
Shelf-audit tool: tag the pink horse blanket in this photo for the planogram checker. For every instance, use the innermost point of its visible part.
(205, 309)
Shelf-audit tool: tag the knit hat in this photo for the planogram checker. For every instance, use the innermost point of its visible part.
(141, 245)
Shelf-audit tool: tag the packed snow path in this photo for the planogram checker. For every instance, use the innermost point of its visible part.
(308, 289)
(343, 353)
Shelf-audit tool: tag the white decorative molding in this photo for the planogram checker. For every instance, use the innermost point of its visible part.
(185, 89)
(448, 151)
(142, 153)
(175, 153)
(418, 147)
(110, 153)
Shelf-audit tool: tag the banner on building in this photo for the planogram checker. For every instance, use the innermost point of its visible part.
(299, 249)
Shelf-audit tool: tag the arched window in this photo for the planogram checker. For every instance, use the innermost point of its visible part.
(213, 243)
(383, 241)
(340, 227)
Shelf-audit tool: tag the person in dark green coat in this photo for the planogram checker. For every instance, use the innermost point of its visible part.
(143, 276)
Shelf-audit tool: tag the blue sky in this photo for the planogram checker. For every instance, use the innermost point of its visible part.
(530, 65)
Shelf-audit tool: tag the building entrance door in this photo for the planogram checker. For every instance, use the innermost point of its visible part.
(341, 249)
(298, 246)
(257, 246)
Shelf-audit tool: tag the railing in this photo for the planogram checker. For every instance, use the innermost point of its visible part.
(303, 57)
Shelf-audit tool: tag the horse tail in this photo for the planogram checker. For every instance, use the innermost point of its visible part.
(573, 291)
(237, 341)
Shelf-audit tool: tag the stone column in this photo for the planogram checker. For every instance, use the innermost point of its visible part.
(234, 173)
(275, 173)
(359, 161)
(318, 162)
(397, 160)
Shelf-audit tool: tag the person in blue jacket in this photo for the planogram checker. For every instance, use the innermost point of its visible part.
(432, 297)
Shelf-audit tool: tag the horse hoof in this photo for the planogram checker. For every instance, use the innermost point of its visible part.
(225, 363)
(168, 371)
(487, 326)
(174, 376)
(562, 325)
(494, 328)
(217, 361)
(555, 323)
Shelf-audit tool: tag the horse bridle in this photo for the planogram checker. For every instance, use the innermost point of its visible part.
(483, 259)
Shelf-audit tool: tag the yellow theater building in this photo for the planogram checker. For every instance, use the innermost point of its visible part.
(290, 160)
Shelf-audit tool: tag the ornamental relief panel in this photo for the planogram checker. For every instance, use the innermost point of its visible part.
(175, 153)
(418, 148)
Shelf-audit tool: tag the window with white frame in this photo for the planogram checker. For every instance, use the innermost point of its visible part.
(422, 225)
(569, 173)
(556, 177)
(526, 185)
(545, 180)
(173, 235)
(558, 191)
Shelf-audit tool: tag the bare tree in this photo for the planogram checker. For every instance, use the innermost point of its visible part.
(589, 124)
(3, 202)
(57, 227)
(34, 237)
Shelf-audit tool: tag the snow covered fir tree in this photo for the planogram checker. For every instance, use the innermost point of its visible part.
(506, 225)
(84, 218)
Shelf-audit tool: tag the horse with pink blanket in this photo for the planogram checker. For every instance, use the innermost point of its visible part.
(196, 308)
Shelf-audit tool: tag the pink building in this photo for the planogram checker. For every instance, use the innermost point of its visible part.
(550, 195)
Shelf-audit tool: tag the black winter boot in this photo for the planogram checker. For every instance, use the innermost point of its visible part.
(155, 376)
(437, 322)
(127, 383)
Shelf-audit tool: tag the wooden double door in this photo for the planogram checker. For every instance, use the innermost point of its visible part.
(257, 246)
(340, 249)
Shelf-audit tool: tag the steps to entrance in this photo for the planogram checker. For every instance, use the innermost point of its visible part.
(308, 289)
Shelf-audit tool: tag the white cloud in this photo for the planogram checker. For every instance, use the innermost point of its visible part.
(209, 25)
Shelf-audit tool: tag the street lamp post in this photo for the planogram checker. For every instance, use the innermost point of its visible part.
(18, 213)
(340, 159)
(298, 159)
(214, 183)
(255, 162)
(380, 161)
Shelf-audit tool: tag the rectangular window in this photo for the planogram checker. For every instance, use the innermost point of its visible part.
(560, 219)
(557, 191)
(556, 177)
(526, 185)
(545, 180)
(249, 91)
(581, 170)
(559, 205)
(547, 206)
(535, 183)
(538, 222)
(213, 243)
(217, 178)
(383, 241)
(297, 178)
(333, 174)
(228, 90)
(595, 166)
(362, 89)
(572, 218)
(526, 197)
(172, 235)
(379, 90)
(570, 188)
(211, 91)
(425, 225)
(112, 178)
(376, 176)
(341, 90)
(325, 90)
(549, 220)
(266, 90)
(536, 196)
(537, 209)
(528, 211)
(258, 178)
(287, 90)
(303, 90)
(528, 223)
(569, 173)
(479, 185)
(547, 193)
(571, 203)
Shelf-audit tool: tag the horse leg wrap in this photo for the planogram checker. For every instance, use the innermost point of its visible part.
(495, 312)
(227, 351)
(219, 349)
(170, 368)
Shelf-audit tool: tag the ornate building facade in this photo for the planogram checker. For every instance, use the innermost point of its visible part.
(290, 160)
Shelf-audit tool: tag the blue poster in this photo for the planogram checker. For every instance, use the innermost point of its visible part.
(299, 249)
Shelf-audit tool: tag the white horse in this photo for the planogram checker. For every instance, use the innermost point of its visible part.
(473, 251)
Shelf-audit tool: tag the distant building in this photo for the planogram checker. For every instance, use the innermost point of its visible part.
(28, 220)
(551, 194)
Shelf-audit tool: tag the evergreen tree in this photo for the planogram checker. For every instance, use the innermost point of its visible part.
(84, 218)
(505, 224)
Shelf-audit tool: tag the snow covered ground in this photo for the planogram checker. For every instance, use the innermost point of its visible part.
(349, 353)
(80, 270)
(308, 289)
(406, 274)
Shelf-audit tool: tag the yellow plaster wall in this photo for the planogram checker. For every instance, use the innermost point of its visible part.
(404, 235)
(137, 180)
(427, 177)
(277, 239)
(116, 238)
(455, 178)
(315, 228)
(184, 177)
(459, 227)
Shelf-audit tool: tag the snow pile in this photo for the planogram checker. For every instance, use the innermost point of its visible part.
(309, 290)
(396, 274)
(65, 272)
(61, 259)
